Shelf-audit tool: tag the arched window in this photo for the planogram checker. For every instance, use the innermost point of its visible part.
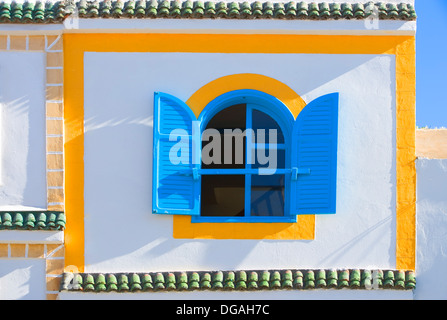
(249, 181)
(245, 158)
(243, 174)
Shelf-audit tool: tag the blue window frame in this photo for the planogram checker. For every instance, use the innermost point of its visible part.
(262, 107)
(308, 145)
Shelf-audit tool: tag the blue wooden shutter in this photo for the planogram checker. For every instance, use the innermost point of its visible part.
(176, 187)
(314, 157)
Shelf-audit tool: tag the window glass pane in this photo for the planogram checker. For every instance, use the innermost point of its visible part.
(223, 144)
(269, 158)
(262, 120)
(223, 195)
(267, 195)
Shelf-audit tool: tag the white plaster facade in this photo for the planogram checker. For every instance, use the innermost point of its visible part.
(118, 162)
(23, 146)
(22, 279)
(431, 258)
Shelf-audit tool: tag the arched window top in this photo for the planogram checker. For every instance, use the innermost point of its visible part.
(264, 102)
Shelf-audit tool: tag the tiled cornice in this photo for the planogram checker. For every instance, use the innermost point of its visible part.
(32, 220)
(239, 280)
(56, 12)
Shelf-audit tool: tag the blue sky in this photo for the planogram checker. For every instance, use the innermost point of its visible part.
(431, 63)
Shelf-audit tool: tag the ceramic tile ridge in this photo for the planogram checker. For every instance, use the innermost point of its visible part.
(32, 220)
(239, 280)
(41, 12)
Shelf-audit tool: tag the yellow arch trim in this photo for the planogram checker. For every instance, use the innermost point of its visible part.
(304, 229)
(215, 88)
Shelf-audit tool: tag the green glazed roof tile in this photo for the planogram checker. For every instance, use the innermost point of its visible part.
(331, 278)
(171, 281)
(135, 282)
(56, 12)
(35, 220)
(123, 283)
(275, 280)
(193, 281)
(182, 281)
(32, 12)
(320, 279)
(100, 283)
(229, 281)
(89, 283)
(111, 283)
(240, 280)
(147, 283)
(205, 282)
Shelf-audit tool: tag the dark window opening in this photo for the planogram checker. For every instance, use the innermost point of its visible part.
(233, 187)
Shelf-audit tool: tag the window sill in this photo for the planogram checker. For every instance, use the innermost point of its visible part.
(302, 229)
(291, 219)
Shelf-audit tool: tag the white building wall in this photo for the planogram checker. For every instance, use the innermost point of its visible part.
(230, 298)
(121, 234)
(22, 131)
(431, 257)
(22, 279)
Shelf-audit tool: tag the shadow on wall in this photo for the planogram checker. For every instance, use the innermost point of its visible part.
(24, 279)
(343, 251)
(35, 193)
(23, 162)
(23, 145)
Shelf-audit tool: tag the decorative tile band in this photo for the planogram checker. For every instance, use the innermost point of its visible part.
(55, 262)
(55, 123)
(32, 251)
(22, 42)
(35, 220)
(40, 12)
(239, 280)
(29, 12)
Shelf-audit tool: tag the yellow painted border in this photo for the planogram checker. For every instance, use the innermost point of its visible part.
(403, 47)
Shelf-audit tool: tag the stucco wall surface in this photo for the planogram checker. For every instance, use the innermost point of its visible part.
(22, 131)
(431, 256)
(22, 279)
(121, 234)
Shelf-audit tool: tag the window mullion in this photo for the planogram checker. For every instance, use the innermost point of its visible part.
(242, 171)
(249, 160)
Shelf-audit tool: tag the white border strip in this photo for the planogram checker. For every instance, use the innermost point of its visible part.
(31, 237)
(260, 26)
(221, 26)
